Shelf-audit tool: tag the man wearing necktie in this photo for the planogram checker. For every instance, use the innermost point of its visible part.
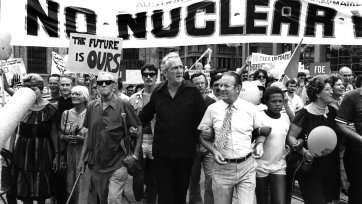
(232, 120)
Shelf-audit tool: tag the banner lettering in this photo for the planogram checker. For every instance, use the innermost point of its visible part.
(164, 23)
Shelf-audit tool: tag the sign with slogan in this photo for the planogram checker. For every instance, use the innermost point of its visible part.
(58, 64)
(14, 67)
(93, 54)
(165, 23)
(320, 68)
(270, 63)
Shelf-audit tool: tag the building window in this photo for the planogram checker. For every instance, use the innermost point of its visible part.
(131, 58)
(37, 60)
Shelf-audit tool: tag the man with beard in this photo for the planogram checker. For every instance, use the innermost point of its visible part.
(102, 146)
(203, 156)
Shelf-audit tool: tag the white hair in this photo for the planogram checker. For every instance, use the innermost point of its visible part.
(166, 61)
(83, 90)
(107, 74)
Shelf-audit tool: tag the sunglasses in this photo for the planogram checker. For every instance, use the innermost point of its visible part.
(107, 82)
(150, 74)
(260, 77)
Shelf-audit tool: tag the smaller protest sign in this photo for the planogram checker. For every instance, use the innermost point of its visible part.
(320, 68)
(93, 54)
(58, 64)
(14, 67)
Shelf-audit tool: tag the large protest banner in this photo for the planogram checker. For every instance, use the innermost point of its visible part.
(270, 63)
(92, 54)
(165, 23)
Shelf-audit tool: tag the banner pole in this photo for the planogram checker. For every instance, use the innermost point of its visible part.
(3, 88)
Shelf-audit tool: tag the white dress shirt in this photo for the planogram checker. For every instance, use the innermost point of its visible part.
(244, 121)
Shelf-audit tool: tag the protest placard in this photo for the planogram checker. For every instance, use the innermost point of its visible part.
(58, 64)
(93, 54)
(12, 67)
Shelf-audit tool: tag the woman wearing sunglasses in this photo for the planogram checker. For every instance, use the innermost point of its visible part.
(262, 76)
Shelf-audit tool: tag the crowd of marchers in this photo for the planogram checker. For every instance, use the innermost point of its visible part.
(72, 144)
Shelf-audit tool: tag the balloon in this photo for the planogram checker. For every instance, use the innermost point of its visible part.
(12, 113)
(250, 92)
(321, 141)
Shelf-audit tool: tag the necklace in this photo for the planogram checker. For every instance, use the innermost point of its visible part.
(319, 110)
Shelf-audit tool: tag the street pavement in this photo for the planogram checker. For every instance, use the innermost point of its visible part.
(129, 198)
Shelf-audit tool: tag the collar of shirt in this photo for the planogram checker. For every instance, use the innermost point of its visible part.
(238, 104)
(112, 102)
(184, 84)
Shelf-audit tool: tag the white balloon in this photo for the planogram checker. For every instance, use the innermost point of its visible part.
(321, 141)
(250, 92)
(12, 113)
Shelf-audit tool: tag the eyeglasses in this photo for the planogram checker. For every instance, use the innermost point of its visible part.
(260, 77)
(107, 82)
(347, 75)
(150, 74)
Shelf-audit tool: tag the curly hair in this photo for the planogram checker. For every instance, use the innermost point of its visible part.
(272, 90)
(33, 79)
(316, 85)
(334, 79)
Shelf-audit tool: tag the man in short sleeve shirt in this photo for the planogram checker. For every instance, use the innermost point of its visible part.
(350, 111)
(234, 167)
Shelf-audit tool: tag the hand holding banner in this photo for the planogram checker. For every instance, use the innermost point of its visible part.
(92, 54)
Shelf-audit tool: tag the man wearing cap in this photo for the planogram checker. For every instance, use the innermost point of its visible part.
(233, 120)
(102, 146)
(179, 107)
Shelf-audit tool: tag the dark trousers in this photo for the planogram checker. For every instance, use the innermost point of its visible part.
(173, 177)
(60, 191)
(277, 185)
(353, 166)
(150, 181)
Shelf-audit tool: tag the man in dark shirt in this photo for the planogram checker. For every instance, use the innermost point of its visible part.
(179, 108)
(64, 103)
(54, 87)
(102, 146)
(203, 156)
(350, 111)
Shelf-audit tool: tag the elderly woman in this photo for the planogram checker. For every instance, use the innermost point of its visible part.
(35, 148)
(73, 135)
(318, 177)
